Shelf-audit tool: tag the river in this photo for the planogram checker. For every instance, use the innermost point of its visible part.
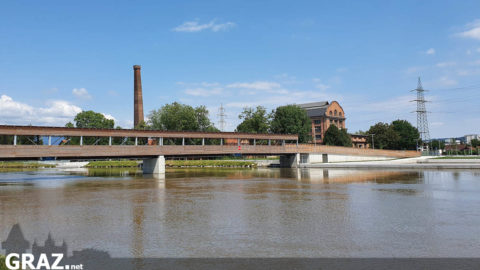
(248, 212)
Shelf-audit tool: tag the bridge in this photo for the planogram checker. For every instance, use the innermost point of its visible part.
(153, 146)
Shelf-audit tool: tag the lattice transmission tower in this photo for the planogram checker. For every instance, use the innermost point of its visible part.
(422, 121)
(222, 115)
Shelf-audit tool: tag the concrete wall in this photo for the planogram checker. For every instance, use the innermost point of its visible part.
(324, 158)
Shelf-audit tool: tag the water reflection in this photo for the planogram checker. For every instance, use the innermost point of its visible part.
(248, 212)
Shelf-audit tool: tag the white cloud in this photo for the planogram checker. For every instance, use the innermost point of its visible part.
(109, 116)
(258, 85)
(56, 112)
(202, 92)
(320, 85)
(195, 26)
(9, 108)
(267, 86)
(472, 30)
(412, 70)
(81, 93)
(445, 64)
(430, 51)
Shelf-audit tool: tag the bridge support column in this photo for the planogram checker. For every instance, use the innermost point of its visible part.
(290, 161)
(154, 165)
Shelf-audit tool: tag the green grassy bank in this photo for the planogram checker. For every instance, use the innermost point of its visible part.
(113, 164)
(2, 263)
(458, 157)
(172, 163)
(209, 163)
(16, 164)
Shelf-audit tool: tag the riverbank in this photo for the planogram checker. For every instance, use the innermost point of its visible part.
(424, 162)
(173, 163)
(21, 165)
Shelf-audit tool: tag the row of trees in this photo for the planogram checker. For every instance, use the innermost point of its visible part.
(290, 119)
(399, 135)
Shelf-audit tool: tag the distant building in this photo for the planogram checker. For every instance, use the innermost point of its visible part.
(323, 114)
(470, 137)
(359, 141)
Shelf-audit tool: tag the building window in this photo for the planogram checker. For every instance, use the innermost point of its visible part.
(318, 129)
(335, 113)
(318, 137)
(330, 112)
(317, 122)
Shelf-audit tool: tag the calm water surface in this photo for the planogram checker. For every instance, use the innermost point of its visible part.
(248, 212)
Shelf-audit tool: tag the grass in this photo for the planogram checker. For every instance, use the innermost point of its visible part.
(458, 157)
(16, 164)
(2, 263)
(112, 164)
(209, 163)
(173, 163)
(249, 158)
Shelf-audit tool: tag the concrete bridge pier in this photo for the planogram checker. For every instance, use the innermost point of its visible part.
(154, 165)
(290, 161)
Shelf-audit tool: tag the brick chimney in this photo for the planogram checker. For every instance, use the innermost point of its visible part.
(137, 96)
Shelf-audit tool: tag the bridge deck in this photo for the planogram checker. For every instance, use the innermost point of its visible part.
(104, 151)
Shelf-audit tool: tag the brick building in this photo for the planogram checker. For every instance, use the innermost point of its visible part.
(323, 114)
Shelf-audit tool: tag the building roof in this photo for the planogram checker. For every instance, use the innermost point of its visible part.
(315, 108)
(313, 105)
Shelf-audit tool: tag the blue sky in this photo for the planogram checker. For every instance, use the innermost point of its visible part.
(60, 57)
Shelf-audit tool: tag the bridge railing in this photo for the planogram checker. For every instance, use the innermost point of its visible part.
(35, 135)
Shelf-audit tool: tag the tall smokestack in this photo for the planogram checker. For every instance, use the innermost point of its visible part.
(137, 96)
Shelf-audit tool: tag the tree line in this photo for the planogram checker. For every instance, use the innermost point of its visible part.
(289, 119)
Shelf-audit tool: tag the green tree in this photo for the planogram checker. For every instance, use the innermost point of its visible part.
(385, 136)
(475, 143)
(180, 117)
(338, 137)
(292, 119)
(90, 119)
(408, 135)
(254, 120)
(437, 144)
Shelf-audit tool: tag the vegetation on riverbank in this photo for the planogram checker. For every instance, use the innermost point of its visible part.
(209, 163)
(113, 164)
(172, 163)
(458, 157)
(2, 263)
(16, 164)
